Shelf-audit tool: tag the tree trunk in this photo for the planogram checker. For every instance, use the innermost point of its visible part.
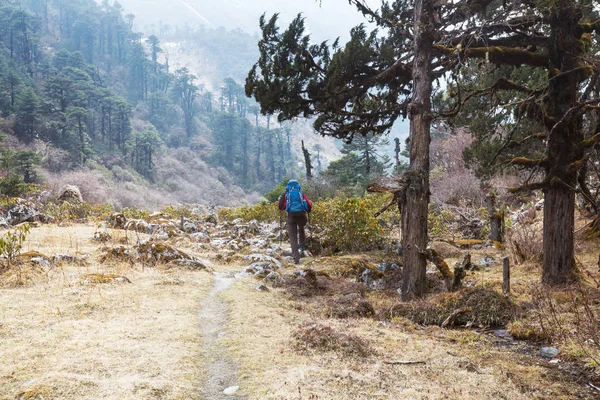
(563, 145)
(496, 218)
(307, 162)
(414, 212)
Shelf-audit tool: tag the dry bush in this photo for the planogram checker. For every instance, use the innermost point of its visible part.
(322, 338)
(91, 184)
(525, 243)
(317, 283)
(451, 181)
(476, 305)
(191, 180)
(570, 317)
(349, 306)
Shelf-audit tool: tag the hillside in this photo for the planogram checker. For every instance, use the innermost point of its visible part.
(131, 119)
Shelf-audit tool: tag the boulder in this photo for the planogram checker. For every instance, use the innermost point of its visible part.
(70, 193)
(23, 211)
(117, 220)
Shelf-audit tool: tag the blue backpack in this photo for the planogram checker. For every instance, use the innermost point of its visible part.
(294, 201)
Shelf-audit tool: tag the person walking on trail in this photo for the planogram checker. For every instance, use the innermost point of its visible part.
(297, 205)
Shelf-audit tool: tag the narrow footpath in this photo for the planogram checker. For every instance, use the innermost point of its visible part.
(221, 382)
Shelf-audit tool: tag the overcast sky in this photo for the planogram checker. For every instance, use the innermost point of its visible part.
(328, 20)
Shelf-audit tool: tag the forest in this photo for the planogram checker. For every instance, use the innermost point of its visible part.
(86, 97)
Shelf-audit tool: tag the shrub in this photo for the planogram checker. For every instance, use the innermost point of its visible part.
(477, 305)
(12, 186)
(66, 211)
(260, 212)
(525, 243)
(348, 224)
(317, 337)
(12, 242)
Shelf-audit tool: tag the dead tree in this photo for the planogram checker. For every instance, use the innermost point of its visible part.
(307, 162)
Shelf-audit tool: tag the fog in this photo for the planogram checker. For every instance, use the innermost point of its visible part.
(326, 20)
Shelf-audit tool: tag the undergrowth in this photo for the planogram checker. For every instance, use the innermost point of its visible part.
(322, 338)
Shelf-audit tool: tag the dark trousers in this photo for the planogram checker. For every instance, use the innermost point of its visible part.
(295, 227)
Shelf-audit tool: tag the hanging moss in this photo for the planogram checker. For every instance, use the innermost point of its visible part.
(508, 56)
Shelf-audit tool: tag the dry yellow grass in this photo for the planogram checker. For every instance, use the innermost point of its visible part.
(458, 364)
(66, 337)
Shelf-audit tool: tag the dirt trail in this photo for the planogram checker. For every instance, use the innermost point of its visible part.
(221, 370)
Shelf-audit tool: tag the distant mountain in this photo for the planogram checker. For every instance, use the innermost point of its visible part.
(326, 19)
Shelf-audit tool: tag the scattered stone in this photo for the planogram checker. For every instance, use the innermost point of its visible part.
(372, 279)
(231, 390)
(264, 257)
(260, 268)
(387, 267)
(487, 261)
(189, 226)
(70, 193)
(192, 264)
(158, 251)
(548, 352)
(200, 237)
(273, 277)
(503, 334)
(262, 288)
(58, 258)
(211, 219)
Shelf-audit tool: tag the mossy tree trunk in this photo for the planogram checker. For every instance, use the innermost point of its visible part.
(496, 218)
(414, 212)
(564, 124)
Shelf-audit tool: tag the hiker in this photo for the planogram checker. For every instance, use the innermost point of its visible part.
(297, 206)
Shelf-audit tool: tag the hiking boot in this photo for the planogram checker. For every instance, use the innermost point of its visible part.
(302, 252)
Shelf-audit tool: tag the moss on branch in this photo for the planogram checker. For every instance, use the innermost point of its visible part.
(508, 56)
(586, 144)
(529, 162)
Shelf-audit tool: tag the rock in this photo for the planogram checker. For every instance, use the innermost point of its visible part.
(23, 211)
(373, 280)
(159, 251)
(265, 258)
(70, 193)
(446, 250)
(58, 258)
(200, 237)
(117, 220)
(211, 219)
(539, 205)
(487, 261)
(262, 288)
(189, 226)
(387, 267)
(503, 334)
(231, 390)
(192, 264)
(548, 352)
(260, 268)
(273, 277)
